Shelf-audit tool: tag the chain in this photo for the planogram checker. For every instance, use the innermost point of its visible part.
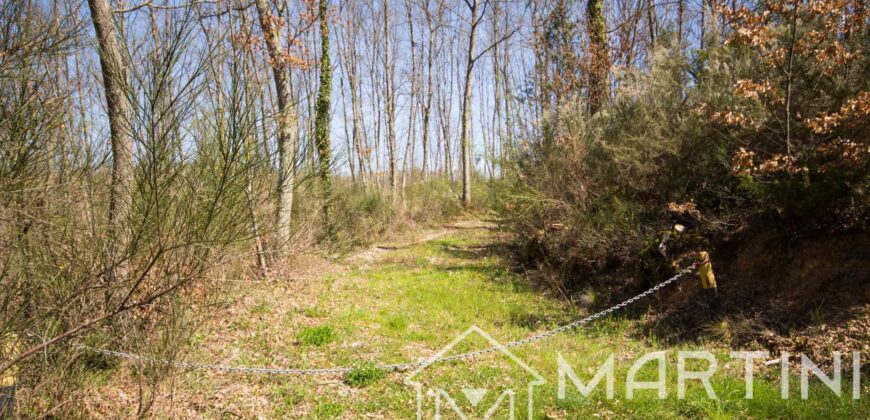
(398, 367)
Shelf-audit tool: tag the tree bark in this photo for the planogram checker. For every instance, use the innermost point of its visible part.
(465, 141)
(652, 23)
(409, 146)
(681, 6)
(390, 79)
(351, 69)
(427, 107)
(600, 65)
(788, 85)
(286, 121)
(119, 109)
(321, 129)
(349, 141)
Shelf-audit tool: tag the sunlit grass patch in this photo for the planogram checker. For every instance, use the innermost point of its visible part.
(406, 309)
(328, 410)
(364, 375)
(316, 336)
(397, 323)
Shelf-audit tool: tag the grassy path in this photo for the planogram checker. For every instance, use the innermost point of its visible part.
(407, 303)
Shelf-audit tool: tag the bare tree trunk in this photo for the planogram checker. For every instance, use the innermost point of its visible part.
(262, 262)
(350, 65)
(286, 120)
(119, 110)
(409, 146)
(465, 140)
(508, 111)
(652, 24)
(360, 141)
(539, 67)
(349, 142)
(788, 85)
(390, 79)
(497, 119)
(444, 120)
(681, 5)
(703, 24)
(427, 107)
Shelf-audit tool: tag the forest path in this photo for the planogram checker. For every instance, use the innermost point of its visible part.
(403, 302)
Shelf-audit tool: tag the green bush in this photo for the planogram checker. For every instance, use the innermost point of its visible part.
(592, 193)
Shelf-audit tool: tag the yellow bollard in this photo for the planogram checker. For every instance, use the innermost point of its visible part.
(705, 271)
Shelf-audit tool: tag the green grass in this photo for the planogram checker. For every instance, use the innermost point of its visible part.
(328, 411)
(317, 336)
(414, 301)
(364, 375)
(428, 294)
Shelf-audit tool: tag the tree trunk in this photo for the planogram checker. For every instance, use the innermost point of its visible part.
(497, 119)
(119, 110)
(350, 66)
(703, 24)
(251, 147)
(600, 65)
(348, 146)
(788, 85)
(465, 142)
(321, 129)
(680, 18)
(652, 24)
(390, 79)
(444, 120)
(427, 107)
(286, 121)
(508, 142)
(409, 146)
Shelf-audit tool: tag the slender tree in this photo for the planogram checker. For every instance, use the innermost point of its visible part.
(427, 102)
(652, 23)
(286, 120)
(465, 139)
(390, 99)
(119, 110)
(600, 61)
(477, 10)
(321, 129)
(408, 161)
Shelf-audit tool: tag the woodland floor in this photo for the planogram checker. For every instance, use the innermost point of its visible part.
(403, 302)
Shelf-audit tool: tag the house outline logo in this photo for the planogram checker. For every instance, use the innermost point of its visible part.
(474, 395)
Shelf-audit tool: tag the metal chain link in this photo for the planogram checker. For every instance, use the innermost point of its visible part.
(398, 367)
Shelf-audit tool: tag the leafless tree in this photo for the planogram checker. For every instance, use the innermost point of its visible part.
(286, 119)
(117, 88)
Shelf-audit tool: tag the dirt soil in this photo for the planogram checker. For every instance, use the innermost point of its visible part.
(810, 295)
